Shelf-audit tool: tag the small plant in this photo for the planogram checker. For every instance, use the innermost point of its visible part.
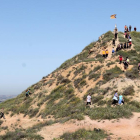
(129, 91)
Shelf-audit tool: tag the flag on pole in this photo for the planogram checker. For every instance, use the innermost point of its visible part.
(113, 16)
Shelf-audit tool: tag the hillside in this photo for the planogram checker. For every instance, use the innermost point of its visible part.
(57, 103)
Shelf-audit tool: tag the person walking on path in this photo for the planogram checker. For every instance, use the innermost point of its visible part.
(124, 45)
(27, 92)
(130, 28)
(121, 100)
(88, 99)
(115, 98)
(113, 42)
(113, 51)
(130, 42)
(120, 58)
(135, 29)
(2, 114)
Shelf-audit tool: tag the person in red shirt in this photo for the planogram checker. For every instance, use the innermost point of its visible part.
(120, 58)
(135, 29)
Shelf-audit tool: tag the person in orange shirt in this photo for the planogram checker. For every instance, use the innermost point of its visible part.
(106, 53)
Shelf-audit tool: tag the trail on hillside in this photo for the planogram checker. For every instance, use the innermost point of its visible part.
(126, 129)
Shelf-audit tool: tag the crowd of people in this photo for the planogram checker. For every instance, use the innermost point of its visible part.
(117, 100)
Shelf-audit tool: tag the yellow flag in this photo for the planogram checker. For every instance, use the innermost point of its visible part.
(113, 16)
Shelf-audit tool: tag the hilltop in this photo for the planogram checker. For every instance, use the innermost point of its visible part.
(57, 102)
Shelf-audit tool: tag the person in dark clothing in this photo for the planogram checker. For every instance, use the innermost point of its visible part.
(130, 28)
(116, 36)
(113, 42)
(2, 115)
(135, 29)
(124, 45)
(127, 45)
(125, 64)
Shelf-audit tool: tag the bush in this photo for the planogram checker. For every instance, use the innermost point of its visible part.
(95, 76)
(133, 73)
(97, 98)
(112, 73)
(129, 91)
(83, 134)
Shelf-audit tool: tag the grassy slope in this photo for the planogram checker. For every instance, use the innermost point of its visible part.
(68, 105)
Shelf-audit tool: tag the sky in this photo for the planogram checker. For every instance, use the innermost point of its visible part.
(37, 36)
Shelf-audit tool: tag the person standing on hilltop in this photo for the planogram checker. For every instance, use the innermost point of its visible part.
(135, 29)
(89, 99)
(2, 114)
(130, 28)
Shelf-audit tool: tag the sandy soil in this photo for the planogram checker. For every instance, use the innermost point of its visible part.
(126, 129)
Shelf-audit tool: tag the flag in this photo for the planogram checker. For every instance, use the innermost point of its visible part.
(113, 16)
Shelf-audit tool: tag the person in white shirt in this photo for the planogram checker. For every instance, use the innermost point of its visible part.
(89, 99)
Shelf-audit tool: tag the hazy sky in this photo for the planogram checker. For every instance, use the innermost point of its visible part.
(36, 36)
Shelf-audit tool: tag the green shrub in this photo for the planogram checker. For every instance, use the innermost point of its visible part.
(93, 75)
(83, 134)
(33, 112)
(129, 91)
(112, 73)
(133, 73)
(20, 134)
(97, 68)
(97, 98)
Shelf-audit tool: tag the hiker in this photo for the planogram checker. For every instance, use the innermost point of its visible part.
(124, 45)
(127, 60)
(27, 93)
(127, 45)
(103, 52)
(116, 35)
(130, 42)
(113, 42)
(125, 27)
(121, 100)
(2, 114)
(113, 51)
(89, 99)
(125, 64)
(130, 28)
(106, 53)
(115, 98)
(135, 29)
(120, 58)
(139, 67)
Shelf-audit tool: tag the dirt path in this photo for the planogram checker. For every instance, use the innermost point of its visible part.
(126, 129)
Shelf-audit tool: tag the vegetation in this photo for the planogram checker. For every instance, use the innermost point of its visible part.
(132, 73)
(82, 134)
(112, 73)
(107, 37)
(20, 134)
(121, 37)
